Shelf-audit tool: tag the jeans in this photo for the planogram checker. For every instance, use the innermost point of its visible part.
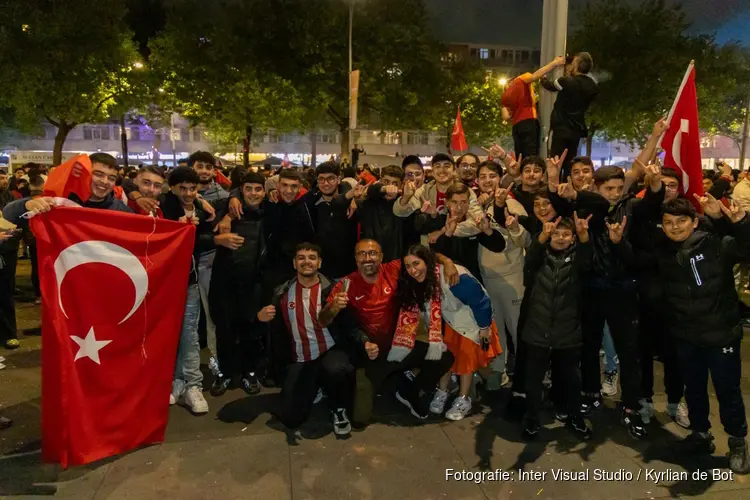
(725, 365)
(8, 258)
(610, 355)
(205, 263)
(564, 375)
(619, 309)
(187, 370)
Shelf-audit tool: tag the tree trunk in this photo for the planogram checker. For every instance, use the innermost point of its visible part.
(246, 149)
(589, 145)
(314, 149)
(124, 141)
(63, 129)
(745, 132)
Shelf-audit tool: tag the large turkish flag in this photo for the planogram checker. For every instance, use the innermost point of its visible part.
(114, 288)
(681, 142)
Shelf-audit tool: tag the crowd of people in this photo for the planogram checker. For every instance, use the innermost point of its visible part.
(505, 272)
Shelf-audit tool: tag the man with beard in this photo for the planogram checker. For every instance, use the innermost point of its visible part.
(319, 353)
(370, 293)
(235, 294)
(576, 90)
(467, 169)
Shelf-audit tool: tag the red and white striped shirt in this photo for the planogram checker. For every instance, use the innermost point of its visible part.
(300, 307)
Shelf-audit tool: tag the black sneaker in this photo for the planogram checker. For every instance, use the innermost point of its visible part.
(251, 384)
(562, 416)
(516, 408)
(739, 461)
(698, 443)
(590, 403)
(341, 424)
(411, 401)
(5, 423)
(577, 426)
(220, 385)
(530, 431)
(632, 420)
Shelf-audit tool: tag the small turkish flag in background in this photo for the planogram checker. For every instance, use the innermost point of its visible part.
(114, 287)
(458, 139)
(681, 142)
(222, 180)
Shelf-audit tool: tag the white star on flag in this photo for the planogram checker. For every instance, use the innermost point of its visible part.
(89, 347)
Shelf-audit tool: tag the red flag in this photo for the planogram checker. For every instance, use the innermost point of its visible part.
(115, 286)
(458, 139)
(60, 183)
(681, 142)
(222, 180)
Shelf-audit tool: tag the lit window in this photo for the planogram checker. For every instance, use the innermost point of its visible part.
(484, 53)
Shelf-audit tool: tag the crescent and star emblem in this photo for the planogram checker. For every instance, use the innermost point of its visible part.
(100, 252)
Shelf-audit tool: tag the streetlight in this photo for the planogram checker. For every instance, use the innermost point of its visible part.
(502, 81)
(138, 65)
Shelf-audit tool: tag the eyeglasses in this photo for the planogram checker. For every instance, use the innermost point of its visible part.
(370, 253)
(326, 180)
(468, 165)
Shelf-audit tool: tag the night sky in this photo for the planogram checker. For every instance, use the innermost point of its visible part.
(519, 22)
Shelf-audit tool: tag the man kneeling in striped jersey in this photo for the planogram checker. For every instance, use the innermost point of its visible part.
(319, 356)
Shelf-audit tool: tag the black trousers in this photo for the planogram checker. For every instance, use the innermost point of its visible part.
(560, 143)
(333, 371)
(526, 138)
(34, 268)
(239, 338)
(519, 375)
(565, 378)
(655, 340)
(620, 310)
(373, 373)
(9, 258)
(725, 365)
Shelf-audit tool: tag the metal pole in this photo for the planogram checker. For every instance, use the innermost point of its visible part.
(554, 34)
(351, 27)
(745, 132)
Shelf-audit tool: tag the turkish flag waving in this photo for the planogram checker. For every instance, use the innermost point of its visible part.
(681, 142)
(114, 288)
(458, 139)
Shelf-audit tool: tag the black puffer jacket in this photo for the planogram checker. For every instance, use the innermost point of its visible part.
(699, 292)
(554, 284)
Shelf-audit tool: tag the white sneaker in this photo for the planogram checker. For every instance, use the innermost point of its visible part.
(647, 410)
(172, 399)
(195, 401)
(461, 407)
(2, 359)
(319, 396)
(679, 413)
(609, 386)
(437, 406)
(341, 424)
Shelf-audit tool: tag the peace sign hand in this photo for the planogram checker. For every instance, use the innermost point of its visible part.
(483, 223)
(616, 230)
(511, 221)
(582, 227)
(710, 205)
(734, 213)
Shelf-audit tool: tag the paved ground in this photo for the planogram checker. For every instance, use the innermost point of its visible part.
(233, 453)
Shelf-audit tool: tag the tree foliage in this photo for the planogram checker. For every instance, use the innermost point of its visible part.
(67, 62)
(641, 53)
